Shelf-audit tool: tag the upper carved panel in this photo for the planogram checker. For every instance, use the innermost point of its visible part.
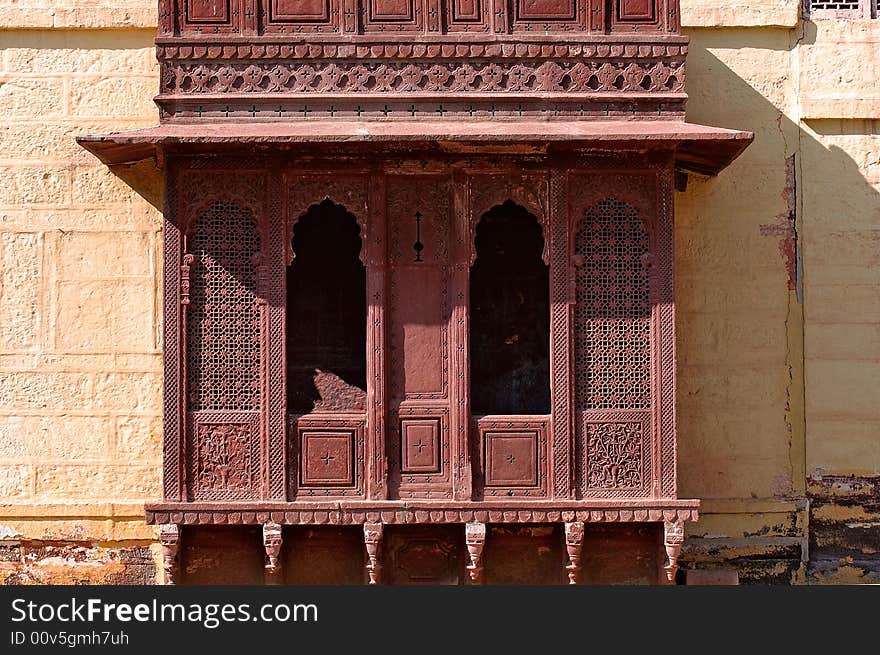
(291, 59)
(308, 18)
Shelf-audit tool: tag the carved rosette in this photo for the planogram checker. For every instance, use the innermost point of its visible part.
(475, 539)
(673, 538)
(272, 543)
(574, 542)
(169, 537)
(373, 533)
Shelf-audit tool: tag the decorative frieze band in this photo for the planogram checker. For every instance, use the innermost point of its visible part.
(590, 76)
(347, 516)
(410, 50)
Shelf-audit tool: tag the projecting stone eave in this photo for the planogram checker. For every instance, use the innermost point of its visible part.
(697, 148)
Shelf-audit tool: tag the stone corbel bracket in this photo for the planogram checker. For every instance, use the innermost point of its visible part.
(475, 539)
(169, 537)
(373, 533)
(272, 541)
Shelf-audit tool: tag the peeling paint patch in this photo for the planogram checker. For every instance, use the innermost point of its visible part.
(55, 563)
(8, 532)
(844, 528)
(785, 227)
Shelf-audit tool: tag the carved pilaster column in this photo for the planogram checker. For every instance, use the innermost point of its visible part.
(272, 543)
(475, 538)
(169, 537)
(373, 541)
(673, 538)
(574, 543)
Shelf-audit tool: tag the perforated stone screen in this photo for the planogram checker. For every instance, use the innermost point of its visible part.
(613, 310)
(223, 329)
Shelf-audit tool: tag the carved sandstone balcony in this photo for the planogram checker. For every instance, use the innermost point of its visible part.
(419, 272)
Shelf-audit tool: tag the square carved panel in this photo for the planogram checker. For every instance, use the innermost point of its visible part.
(392, 10)
(299, 10)
(511, 459)
(635, 10)
(467, 15)
(390, 16)
(207, 11)
(546, 10)
(420, 447)
(223, 455)
(327, 458)
(466, 10)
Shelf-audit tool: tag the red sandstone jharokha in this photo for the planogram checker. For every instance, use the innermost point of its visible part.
(419, 278)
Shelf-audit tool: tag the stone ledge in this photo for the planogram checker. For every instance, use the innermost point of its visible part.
(73, 510)
(398, 512)
(77, 18)
(740, 14)
(847, 108)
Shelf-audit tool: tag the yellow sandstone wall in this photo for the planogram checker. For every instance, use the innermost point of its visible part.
(778, 297)
(80, 364)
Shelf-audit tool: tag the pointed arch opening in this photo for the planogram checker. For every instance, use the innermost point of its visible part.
(326, 313)
(510, 315)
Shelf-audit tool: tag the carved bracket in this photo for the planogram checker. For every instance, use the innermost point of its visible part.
(169, 537)
(673, 538)
(475, 538)
(373, 533)
(574, 543)
(272, 543)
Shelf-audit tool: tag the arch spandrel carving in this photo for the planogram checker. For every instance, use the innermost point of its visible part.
(351, 192)
(531, 191)
(200, 188)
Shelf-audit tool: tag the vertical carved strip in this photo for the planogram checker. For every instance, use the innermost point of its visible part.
(349, 16)
(373, 533)
(673, 538)
(272, 540)
(574, 543)
(172, 355)
(499, 16)
(275, 291)
(188, 260)
(166, 17)
(666, 302)
(249, 22)
(459, 337)
(597, 15)
(433, 13)
(374, 242)
(169, 537)
(560, 336)
(262, 303)
(475, 539)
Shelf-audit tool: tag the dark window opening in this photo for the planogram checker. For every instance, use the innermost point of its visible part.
(510, 315)
(326, 314)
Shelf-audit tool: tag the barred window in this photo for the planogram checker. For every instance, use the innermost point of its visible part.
(841, 8)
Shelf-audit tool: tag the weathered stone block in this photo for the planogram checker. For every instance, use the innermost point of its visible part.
(139, 439)
(98, 255)
(28, 185)
(20, 259)
(27, 98)
(123, 97)
(16, 481)
(97, 481)
(69, 438)
(141, 392)
(105, 316)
